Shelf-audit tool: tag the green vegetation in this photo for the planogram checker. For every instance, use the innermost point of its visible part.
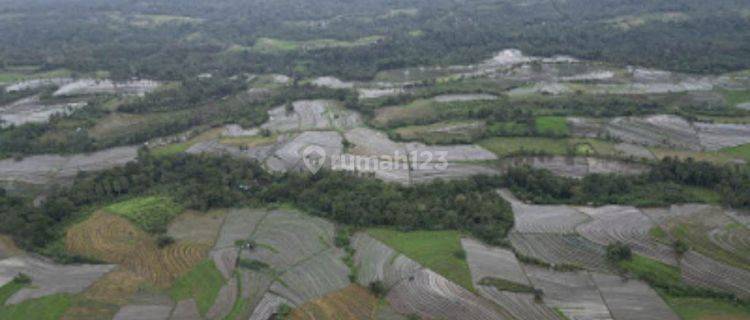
(504, 147)
(618, 252)
(202, 283)
(667, 279)
(432, 249)
(735, 97)
(171, 149)
(47, 308)
(451, 132)
(10, 288)
(269, 45)
(511, 146)
(707, 309)
(552, 126)
(742, 151)
(696, 237)
(505, 285)
(151, 213)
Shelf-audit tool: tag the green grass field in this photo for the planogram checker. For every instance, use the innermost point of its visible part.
(697, 236)
(555, 126)
(11, 76)
(202, 283)
(742, 151)
(171, 149)
(150, 213)
(270, 45)
(706, 309)
(652, 271)
(46, 308)
(9, 290)
(436, 250)
(735, 97)
(504, 147)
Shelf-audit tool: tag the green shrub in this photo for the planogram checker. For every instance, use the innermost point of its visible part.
(618, 251)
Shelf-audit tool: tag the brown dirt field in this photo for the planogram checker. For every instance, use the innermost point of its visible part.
(197, 227)
(90, 310)
(353, 302)
(115, 240)
(115, 288)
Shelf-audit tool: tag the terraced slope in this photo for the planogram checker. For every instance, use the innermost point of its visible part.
(632, 299)
(48, 278)
(562, 249)
(488, 263)
(574, 293)
(543, 218)
(627, 225)
(113, 239)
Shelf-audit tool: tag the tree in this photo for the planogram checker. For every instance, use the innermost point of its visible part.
(617, 252)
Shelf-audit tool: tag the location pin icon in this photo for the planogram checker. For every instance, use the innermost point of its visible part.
(314, 158)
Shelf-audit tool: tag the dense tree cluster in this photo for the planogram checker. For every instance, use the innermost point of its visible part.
(203, 182)
(119, 36)
(670, 181)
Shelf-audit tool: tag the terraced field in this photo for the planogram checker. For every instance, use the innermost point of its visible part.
(55, 169)
(628, 225)
(488, 263)
(574, 293)
(113, 239)
(708, 230)
(47, 278)
(351, 303)
(561, 249)
(543, 218)
(432, 296)
(576, 167)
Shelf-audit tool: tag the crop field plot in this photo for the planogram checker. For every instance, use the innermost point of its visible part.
(491, 265)
(574, 293)
(105, 86)
(376, 261)
(628, 225)
(544, 218)
(285, 238)
(225, 300)
(269, 45)
(197, 227)
(439, 251)
(311, 115)
(47, 308)
(268, 306)
(150, 213)
(50, 169)
(238, 225)
(48, 278)
(708, 230)
(632, 299)
(432, 296)
(351, 303)
(562, 249)
(707, 309)
(31, 110)
(201, 284)
(113, 239)
(576, 167)
(556, 126)
(443, 132)
(702, 271)
(313, 278)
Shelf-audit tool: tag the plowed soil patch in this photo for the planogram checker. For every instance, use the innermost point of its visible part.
(353, 302)
(115, 240)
